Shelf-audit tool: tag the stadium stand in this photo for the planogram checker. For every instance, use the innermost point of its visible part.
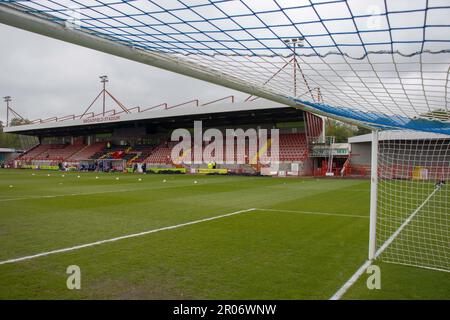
(127, 147)
(51, 152)
(60, 152)
(34, 152)
(87, 151)
(161, 154)
(143, 152)
(293, 147)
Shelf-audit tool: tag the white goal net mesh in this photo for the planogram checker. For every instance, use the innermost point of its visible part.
(382, 63)
(413, 205)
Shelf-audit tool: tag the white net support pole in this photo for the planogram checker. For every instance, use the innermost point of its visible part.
(373, 196)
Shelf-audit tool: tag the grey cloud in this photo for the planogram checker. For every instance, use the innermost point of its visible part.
(47, 77)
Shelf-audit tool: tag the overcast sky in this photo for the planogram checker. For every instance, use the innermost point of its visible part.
(48, 77)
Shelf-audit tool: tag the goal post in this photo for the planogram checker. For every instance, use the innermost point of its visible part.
(410, 199)
(373, 195)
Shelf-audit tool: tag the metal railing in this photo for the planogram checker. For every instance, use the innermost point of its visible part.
(163, 106)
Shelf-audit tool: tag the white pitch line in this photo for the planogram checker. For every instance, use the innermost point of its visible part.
(134, 235)
(316, 213)
(338, 295)
(70, 194)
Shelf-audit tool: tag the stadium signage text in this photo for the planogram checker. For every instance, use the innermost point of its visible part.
(101, 119)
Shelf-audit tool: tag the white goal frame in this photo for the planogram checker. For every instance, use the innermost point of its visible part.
(374, 252)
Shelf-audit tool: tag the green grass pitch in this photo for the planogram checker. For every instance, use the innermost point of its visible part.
(313, 238)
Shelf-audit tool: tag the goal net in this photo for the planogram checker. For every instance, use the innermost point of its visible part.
(379, 64)
(413, 199)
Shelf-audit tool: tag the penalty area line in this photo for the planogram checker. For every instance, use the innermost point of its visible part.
(134, 235)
